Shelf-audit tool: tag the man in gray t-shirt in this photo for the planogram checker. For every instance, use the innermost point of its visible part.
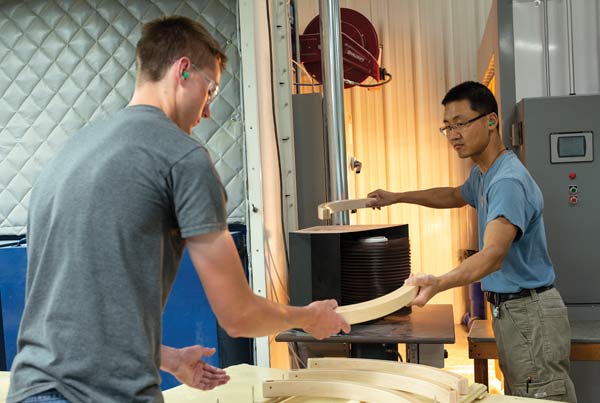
(109, 218)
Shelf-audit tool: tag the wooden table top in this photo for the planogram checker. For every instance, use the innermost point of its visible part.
(432, 324)
(582, 331)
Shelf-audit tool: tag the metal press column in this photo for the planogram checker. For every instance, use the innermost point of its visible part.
(570, 47)
(333, 103)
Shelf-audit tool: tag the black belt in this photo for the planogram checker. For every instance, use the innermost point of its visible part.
(498, 298)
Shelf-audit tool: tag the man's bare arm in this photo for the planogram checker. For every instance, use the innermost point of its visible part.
(444, 197)
(241, 312)
(497, 240)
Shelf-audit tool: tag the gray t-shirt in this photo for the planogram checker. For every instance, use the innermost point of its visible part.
(106, 222)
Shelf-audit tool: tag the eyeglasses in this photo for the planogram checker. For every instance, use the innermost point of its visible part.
(446, 130)
(213, 88)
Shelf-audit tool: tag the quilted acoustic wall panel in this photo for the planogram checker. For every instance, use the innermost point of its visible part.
(64, 63)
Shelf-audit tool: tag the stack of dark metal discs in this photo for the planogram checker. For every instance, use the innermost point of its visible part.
(372, 267)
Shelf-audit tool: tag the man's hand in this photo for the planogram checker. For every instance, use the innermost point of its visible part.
(187, 366)
(428, 286)
(324, 321)
(382, 198)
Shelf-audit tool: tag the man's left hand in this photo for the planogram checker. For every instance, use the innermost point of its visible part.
(428, 286)
(190, 370)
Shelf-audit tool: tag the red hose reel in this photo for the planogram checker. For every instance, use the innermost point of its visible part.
(360, 49)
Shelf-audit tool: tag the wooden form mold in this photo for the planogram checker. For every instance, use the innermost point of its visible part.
(449, 379)
(433, 390)
(334, 389)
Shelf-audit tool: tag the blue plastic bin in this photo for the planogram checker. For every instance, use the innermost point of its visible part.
(187, 318)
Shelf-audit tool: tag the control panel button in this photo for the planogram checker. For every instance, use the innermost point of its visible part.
(573, 189)
(572, 175)
(573, 199)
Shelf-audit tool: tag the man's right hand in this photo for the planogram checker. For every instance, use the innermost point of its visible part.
(382, 198)
(324, 321)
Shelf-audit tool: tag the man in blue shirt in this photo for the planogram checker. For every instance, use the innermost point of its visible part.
(529, 317)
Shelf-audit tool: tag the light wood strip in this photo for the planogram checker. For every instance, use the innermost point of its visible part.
(336, 390)
(450, 379)
(476, 391)
(325, 210)
(433, 390)
(378, 307)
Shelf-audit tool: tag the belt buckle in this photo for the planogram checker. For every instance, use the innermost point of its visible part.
(494, 298)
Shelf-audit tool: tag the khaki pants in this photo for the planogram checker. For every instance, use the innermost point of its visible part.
(534, 344)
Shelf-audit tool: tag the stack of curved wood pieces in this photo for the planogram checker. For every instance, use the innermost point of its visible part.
(374, 381)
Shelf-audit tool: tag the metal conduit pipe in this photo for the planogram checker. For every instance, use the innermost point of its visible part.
(546, 47)
(296, 44)
(570, 47)
(333, 103)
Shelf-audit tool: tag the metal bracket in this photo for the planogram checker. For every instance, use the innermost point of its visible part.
(355, 165)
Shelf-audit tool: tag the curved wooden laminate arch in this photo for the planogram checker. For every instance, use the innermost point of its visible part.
(450, 379)
(378, 307)
(336, 390)
(326, 210)
(430, 389)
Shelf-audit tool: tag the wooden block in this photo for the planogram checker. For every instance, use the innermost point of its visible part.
(476, 391)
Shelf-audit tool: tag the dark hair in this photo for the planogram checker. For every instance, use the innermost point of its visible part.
(479, 96)
(166, 39)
